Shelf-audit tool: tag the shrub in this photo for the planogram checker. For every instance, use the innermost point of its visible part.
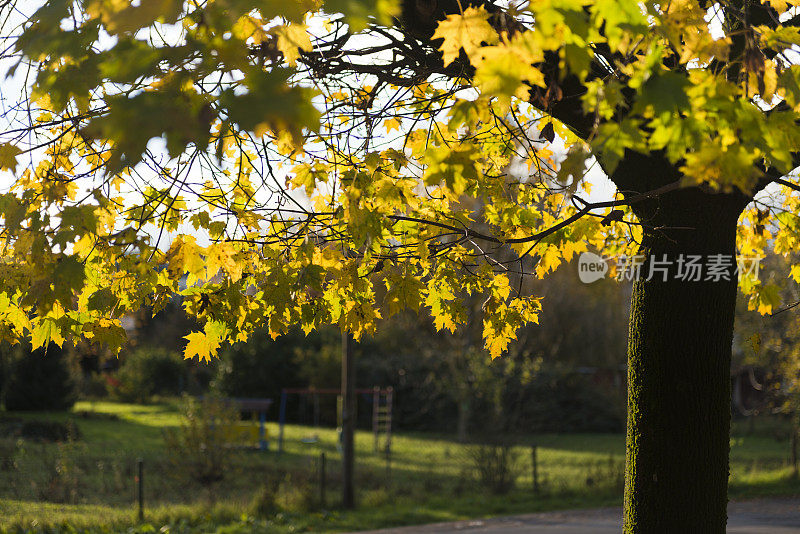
(496, 465)
(265, 501)
(42, 431)
(293, 491)
(610, 473)
(296, 492)
(39, 380)
(93, 386)
(375, 498)
(199, 447)
(63, 475)
(8, 454)
(150, 371)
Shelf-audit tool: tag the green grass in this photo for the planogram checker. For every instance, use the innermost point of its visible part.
(431, 477)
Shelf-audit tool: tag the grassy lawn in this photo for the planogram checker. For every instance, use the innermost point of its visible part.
(89, 483)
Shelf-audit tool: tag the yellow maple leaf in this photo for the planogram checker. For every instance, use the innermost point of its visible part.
(247, 27)
(700, 45)
(391, 124)
(496, 345)
(8, 157)
(507, 70)
(549, 260)
(765, 299)
(795, 273)
(184, 256)
(782, 5)
(291, 39)
(221, 256)
(205, 344)
(465, 31)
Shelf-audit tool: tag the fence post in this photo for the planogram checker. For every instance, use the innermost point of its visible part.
(282, 420)
(322, 480)
(262, 431)
(388, 452)
(140, 487)
(376, 406)
(535, 466)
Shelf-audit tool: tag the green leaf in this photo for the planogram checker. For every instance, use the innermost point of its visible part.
(664, 92)
(48, 330)
(106, 332)
(128, 61)
(359, 12)
(103, 300)
(132, 122)
(68, 277)
(121, 17)
(271, 104)
(456, 167)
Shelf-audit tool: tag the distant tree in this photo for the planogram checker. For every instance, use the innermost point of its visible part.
(261, 367)
(39, 380)
(199, 447)
(147, 371)
(770, 345)
(580, 324)
(165, 328)
(461, 374)
(444, 382)
(318, 357)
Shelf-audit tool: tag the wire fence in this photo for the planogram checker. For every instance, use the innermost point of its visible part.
(305, 477)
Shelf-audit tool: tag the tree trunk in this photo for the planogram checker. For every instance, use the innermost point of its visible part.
(348, 422)
(679, 352)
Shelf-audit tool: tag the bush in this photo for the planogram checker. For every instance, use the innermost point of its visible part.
(8, 454)
(610, 473)
(199, 447)
(150, 371)
(284, 491)
(63, 475)
(496, 465)
(295, 492)
(39, 380)
(265, 501)
(43, 431)
(93, 386)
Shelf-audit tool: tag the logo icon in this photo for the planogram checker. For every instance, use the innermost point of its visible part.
(591, 267)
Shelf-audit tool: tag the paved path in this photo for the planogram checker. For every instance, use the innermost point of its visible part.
(763, 516)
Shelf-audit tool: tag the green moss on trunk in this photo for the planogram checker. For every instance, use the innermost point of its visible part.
(679, 352)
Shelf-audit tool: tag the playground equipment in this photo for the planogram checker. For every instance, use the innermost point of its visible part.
(246, 433)
(382, 416)
(382, 400)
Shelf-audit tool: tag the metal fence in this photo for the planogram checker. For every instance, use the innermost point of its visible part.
(303, 478)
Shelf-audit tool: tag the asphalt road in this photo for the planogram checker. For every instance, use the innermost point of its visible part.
(763, 516)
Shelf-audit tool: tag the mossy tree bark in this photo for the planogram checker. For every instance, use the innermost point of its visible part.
(679, 352)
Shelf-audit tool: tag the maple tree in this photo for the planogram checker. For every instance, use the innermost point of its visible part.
(334, 162)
